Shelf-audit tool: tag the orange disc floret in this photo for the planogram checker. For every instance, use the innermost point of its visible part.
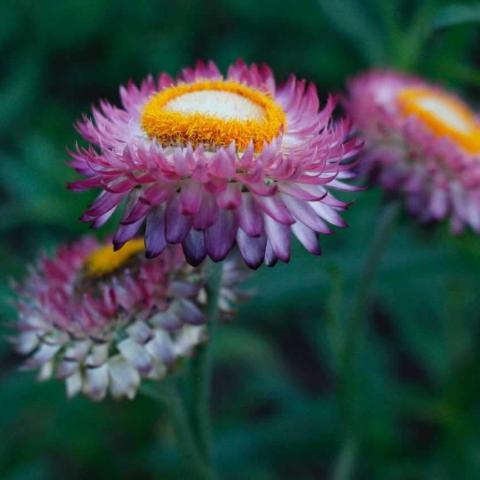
(444, 114)
(213, 113)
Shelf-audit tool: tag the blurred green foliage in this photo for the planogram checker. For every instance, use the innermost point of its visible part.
(277, 411)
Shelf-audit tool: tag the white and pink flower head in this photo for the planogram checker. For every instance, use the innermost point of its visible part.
(208, 161)
(422, 143)
(101, 320)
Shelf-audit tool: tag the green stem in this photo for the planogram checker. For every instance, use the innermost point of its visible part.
(201, 366)
(192, 458)
(368, 273)
(355, 331)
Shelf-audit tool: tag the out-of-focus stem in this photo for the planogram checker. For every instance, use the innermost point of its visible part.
(193, 459)
(354, 338)
(201, 365)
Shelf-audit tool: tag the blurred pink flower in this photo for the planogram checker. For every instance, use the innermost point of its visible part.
(422, 142)
(102, 320)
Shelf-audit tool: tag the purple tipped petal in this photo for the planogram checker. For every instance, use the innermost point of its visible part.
(208, 213)
(307, 237)
(104, 203)
(191, 198)
(230, 198)
(220, 238)
(102, 219)
(177, 224)
(328, 213)
(305, 213)
(278, 237)
(304, 192)
(249, 217)
(155, 241)
(251, 248)
(194, 247)
(275, 208)
(188, 312)
(125, 233)
(138, 212)
(223, 164)
(270, 258)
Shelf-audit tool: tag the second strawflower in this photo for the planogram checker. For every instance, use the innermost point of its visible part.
(422, 145)
(208, 162)
(103, 320)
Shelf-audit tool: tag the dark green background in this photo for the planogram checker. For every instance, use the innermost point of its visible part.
(277, 408)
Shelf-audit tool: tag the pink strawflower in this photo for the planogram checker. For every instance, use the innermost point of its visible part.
(208, 162)
(102, 320)
(422, 142)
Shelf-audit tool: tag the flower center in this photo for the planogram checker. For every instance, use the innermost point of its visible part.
(444, 114)
(213, 113)
(104, 260)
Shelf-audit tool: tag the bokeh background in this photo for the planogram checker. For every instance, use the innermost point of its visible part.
(279, 413)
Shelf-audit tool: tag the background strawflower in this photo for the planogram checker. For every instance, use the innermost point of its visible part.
(101, 320)
(208, 161)
(423, 143)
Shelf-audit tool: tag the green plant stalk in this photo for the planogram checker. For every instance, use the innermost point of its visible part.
(193, 460)
(201, 366)
(355, 330)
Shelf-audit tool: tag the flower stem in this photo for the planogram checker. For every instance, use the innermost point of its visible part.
(192, 458)
(201, 366)
(355, 330)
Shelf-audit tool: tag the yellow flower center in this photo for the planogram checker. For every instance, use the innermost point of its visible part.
(213, 113)
(444, 114)
(104, 260)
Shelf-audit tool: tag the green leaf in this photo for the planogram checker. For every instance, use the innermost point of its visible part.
(456, 15)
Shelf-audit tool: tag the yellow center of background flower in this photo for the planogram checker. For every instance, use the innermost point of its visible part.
(444, 114)
(105, 260)
(213, 113)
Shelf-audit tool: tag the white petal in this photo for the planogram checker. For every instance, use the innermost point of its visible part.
(124, 379)
(56, 337)
(202, 296)
(188, 312)
(44, 353)
(96, 382)
(66, 368)
(74, 384)
(168, 320)
(188, 338)
(98, 355)
(78, 349)
(36, 322)
(27, 342)
(161, 347)
(139, 331)
(46, 371)
(135, 354)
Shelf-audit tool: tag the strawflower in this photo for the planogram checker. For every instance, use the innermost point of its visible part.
(422, 143)
(209, 161)
(103, 320)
